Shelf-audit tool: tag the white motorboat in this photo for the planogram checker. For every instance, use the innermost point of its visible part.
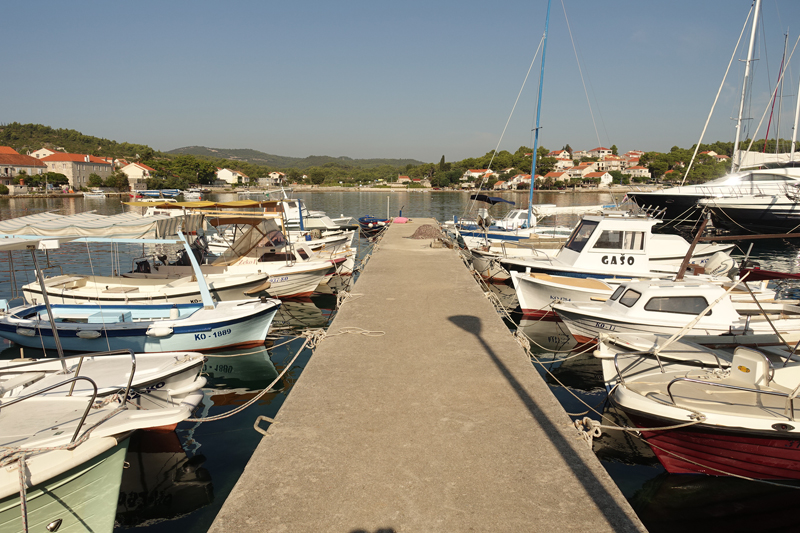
(705, 411)
(536, 292)
(614, 245)
(69, 432)
(141, 328)
(672, 307)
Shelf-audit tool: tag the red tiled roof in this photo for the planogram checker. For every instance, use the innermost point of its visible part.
(75, 158)
(140, 165)
(595, 174)
(19, 160)
(7, 150)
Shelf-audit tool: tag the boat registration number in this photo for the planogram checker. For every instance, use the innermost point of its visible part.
(278, 280)
(216, 334)
(606, 327)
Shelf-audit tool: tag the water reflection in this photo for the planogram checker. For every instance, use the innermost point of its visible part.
(161, 482)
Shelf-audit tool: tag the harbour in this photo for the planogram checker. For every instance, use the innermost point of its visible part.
(217, 452)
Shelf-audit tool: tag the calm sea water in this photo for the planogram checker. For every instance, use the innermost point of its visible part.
(178, 481)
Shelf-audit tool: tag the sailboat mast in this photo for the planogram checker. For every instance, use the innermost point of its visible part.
(794, 127)
(538, 114)
(736, 152)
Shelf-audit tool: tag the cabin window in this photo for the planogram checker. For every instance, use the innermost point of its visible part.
(684, 305)
(620, 240)
(617, 293)
(577, 241)
(770, 177)
(630, 297)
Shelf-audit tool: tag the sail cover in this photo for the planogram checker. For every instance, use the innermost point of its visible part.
(121, 226)
(489, 199)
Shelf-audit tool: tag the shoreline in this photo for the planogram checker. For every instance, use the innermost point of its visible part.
(609, 190)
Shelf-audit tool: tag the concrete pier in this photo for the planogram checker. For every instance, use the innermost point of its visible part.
(439, 424)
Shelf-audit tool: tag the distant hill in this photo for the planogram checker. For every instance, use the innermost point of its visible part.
(30, 137)
(255, 157)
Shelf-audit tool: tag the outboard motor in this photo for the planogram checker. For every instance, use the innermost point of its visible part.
(719, 264)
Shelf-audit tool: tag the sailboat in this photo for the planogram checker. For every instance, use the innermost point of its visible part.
(681, 203)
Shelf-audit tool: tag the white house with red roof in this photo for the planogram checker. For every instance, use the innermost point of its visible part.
(232, 177)
(137, 174)
(600, 152)
(637, 172)
(477, 173)
(604, 177)
(559, 154)
(501, 185)
(77, 167)
(13, 163)
(581, 170)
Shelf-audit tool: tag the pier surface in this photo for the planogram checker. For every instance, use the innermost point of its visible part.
(439, 424)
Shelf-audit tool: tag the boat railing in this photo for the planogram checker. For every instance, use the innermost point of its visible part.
(789, 397)
(71, 380)
(15, 368)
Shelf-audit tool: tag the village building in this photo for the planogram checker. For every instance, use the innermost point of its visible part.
(231, 177)
(604, 177)
(138, 174)
(637, 172)
(600, 152)
(12, 164)
(582, 170)
(77, 167)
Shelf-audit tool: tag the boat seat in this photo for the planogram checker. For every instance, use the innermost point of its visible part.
(750, 368)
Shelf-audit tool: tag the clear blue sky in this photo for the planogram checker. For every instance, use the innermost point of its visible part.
(412, 79)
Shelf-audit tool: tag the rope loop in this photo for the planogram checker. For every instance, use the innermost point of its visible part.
(588, 429)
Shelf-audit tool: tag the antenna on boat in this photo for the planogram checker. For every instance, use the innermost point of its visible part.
(538, 114)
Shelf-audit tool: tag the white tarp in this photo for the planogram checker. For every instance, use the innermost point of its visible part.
(122, 226)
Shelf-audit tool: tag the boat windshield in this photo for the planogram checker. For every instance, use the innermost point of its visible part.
(577, 241)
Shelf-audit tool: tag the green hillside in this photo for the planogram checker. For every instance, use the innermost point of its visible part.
(255, 157)
(31, 137)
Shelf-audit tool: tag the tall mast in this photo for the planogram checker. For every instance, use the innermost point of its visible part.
(794, 127)
(538, 114)
(736, 155)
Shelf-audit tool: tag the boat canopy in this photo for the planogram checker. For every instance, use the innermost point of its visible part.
(268, 205)
(489, 199)
(121, 226)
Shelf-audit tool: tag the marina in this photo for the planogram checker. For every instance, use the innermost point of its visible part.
(359, 388)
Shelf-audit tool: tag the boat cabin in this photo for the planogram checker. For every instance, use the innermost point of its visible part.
(614, 241)
(667, 301)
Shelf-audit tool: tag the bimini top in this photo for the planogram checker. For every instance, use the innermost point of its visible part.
(121, 226)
